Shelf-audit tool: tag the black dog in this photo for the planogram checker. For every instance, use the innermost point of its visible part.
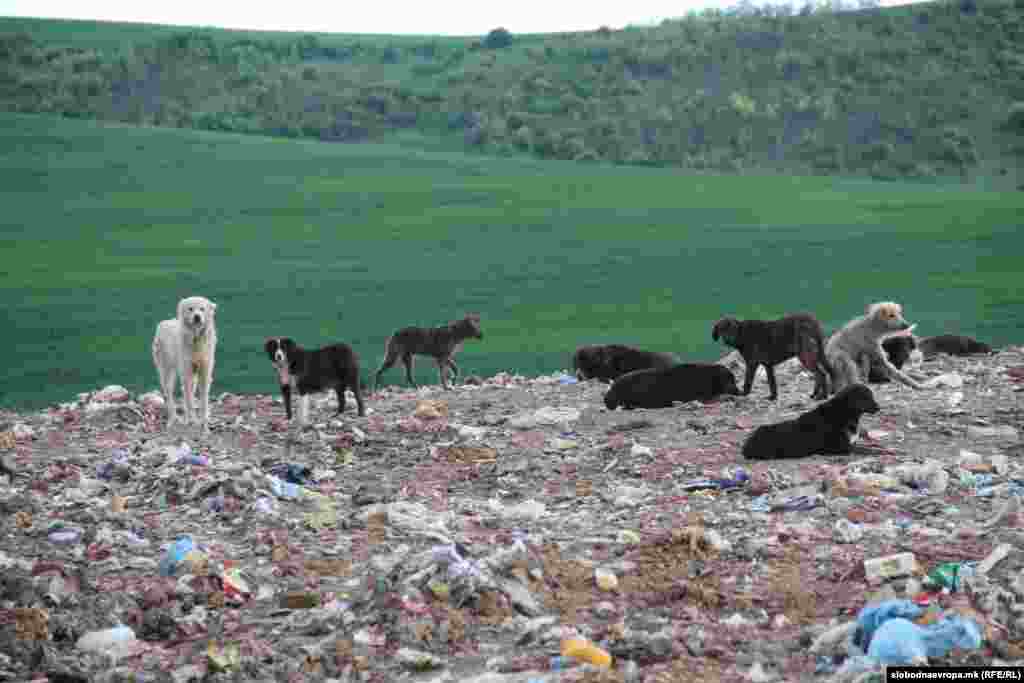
(608, 362)
(770, 342)
(308, 372)
(830, 428)
(898, 349)
(953, 344)
(661, 387)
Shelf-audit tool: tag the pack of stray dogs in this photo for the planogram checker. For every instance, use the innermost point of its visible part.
(869, 349)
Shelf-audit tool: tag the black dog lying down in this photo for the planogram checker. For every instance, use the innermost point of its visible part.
(770, 342)
(830, 428)
(660, 387)
(608, 362)
(308, 372)
(898, 349)
(952, 344)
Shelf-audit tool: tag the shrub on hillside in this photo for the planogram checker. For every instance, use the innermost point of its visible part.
(497, 39)
(878, 151)
(1015, 117)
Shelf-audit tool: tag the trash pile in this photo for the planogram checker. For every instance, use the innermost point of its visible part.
(513, 531)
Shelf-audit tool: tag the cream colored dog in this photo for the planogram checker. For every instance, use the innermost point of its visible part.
(853, 349)
(186, 346)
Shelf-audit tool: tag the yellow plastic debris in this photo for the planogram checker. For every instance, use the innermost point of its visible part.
(586, 651)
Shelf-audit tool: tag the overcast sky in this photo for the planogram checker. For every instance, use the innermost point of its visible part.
(450, 17)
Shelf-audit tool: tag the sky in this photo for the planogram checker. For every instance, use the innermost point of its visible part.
(437, 17)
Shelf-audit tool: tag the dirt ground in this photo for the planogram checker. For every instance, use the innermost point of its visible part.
(467, 535)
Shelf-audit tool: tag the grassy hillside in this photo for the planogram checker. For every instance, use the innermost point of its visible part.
(106, 226)
(934, 89)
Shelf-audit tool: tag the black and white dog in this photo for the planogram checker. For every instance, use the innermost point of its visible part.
(661, 387)
(315, 370)
(830, 428)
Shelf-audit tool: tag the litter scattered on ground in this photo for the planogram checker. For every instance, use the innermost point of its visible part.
(512, 531)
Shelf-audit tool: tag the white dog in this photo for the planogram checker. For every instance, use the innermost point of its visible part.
(186, 346)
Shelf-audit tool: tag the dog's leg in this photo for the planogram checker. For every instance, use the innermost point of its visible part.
(773, 389)
(168, 380)
(748, 379)
(357, 390)
(896, 373)
(442, 371)
(820, 383)
(204, 397)
(340, 392)
(454, 368)
(390, 356)
(407, 361)
(845, 371)
(188, 389)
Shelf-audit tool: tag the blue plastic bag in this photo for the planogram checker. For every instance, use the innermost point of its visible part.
(899, 641)
(885, 631)
(873, 616)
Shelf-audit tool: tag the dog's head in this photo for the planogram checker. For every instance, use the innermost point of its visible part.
(280, 350)
(887, 317)
(196, 313)
(472, 322)
(727, 382)
(860, 398)
(590, 360)
(899, 348)
(727, 329)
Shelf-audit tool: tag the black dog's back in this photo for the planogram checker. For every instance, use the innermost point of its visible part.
(608, 362)
(661, 387)
(326, 367)
(954, 345)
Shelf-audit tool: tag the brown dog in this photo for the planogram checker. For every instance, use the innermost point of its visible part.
(440, 343)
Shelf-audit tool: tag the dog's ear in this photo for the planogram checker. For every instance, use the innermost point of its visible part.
(181, 309)
(714, 330)
(213, 308)
(268, 344)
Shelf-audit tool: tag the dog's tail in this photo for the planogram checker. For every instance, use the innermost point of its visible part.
(383, 366)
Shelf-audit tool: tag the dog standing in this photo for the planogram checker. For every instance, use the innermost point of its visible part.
(952, 344)
(858, 345)
(440, 343)
(770, 342)
(311, 371)
(608, 362)
(830, 428)
(661, 387)
(186, 347)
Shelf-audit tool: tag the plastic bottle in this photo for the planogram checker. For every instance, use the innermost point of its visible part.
(106, 640)
(65, 536)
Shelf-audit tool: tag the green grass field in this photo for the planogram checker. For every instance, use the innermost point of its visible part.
(105, 227)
